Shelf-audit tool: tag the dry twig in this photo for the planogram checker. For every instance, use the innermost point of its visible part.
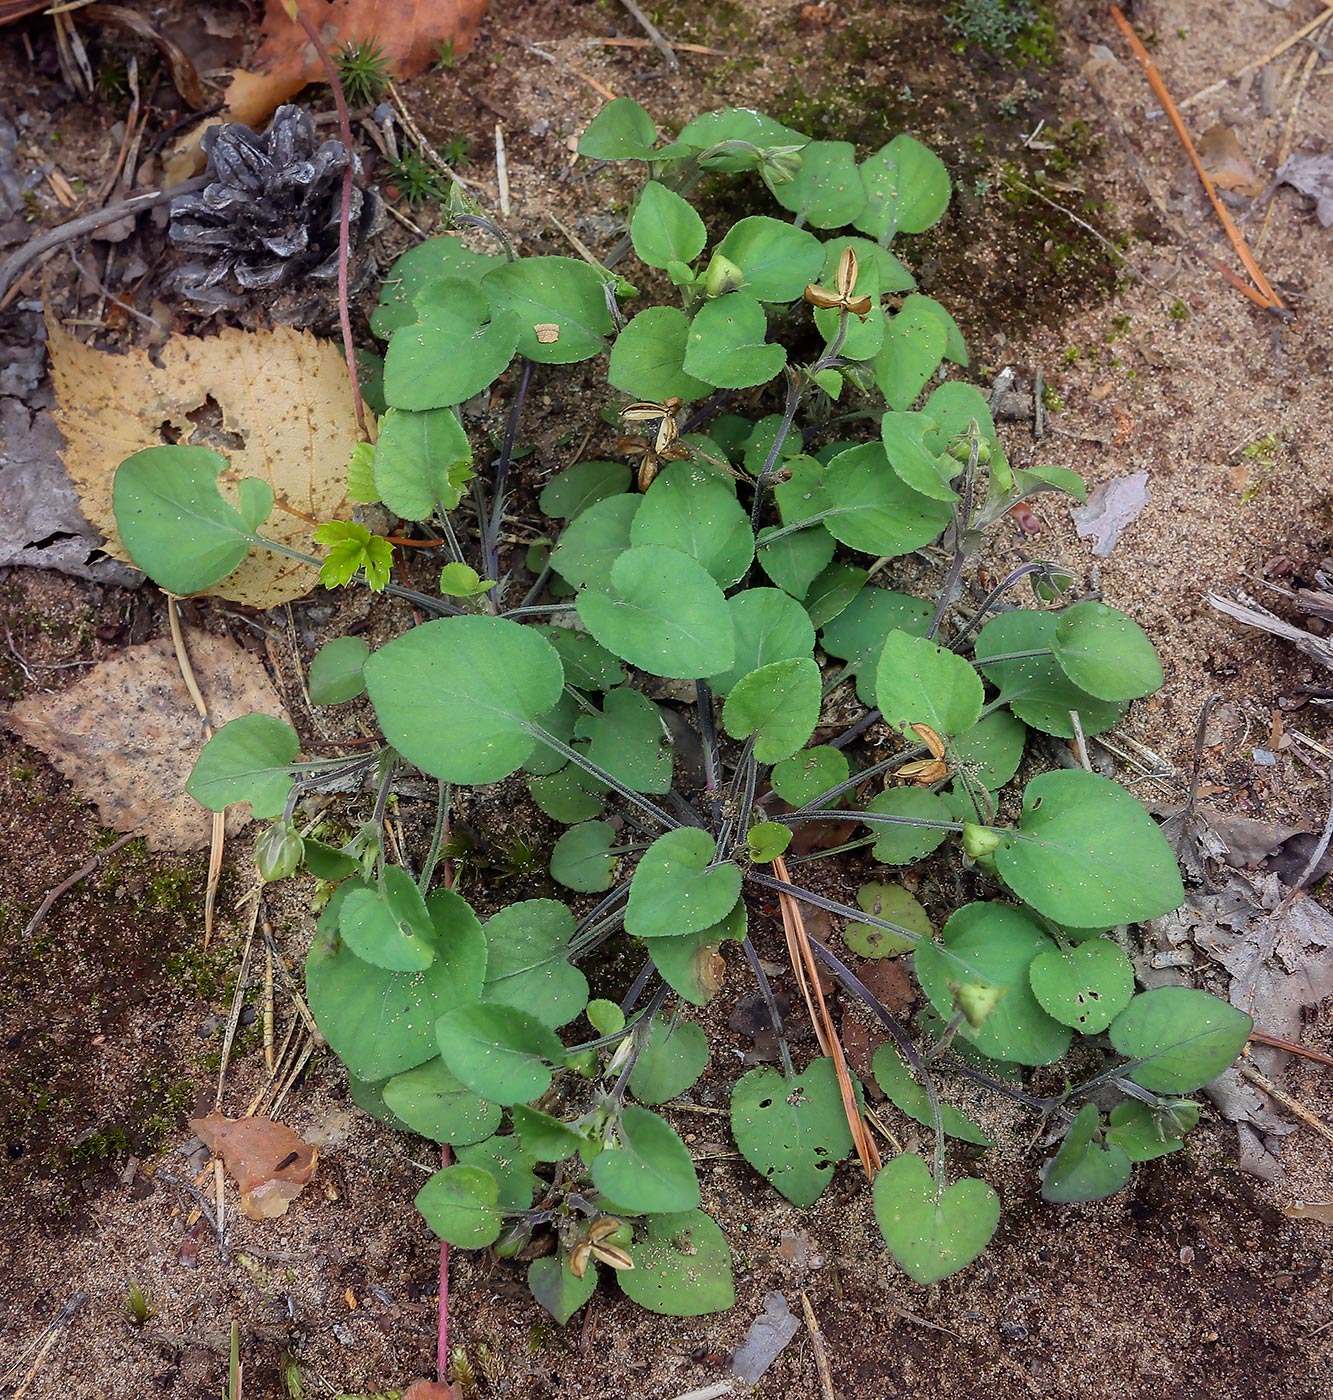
(817, 1346)
(654, 36)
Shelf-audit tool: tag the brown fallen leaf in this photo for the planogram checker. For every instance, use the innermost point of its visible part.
(1227, 165)
(277, 404)
(268, 1162)
(406, 32)
(127, 734)
(432, 1390)
(1322, 1211)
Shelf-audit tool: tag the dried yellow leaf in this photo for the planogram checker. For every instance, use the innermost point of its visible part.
(276, 403)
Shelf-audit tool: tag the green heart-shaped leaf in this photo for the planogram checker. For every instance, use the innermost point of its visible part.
(248, 760)
(804, 776)
(457, 347)
(435, 260)
(907, 190)
(664, 613)
(592, 542)
(778, 704)
(674, 891)
(648, 358)
(572, 491)
(894, 905)
(692, 509)
(1106, 653)
(914, 345)
(674, 1057)
(581, 858)
(857, 634)
(391, 926)
(499, 1052)
(691, 964)
(901, 842)
(1085, 987)
(628, 740)
(827, 188)
(665, 227)
(1087, 854)
(992, 945)
(558, 305)
(650, 1172)
(433, 1103)
(903, 436)
(872, 509)
(336, 673)
(682, 1266)
(457, 696)
(1145, 1133)
(931, 1233)
(526, 964)
(906, 1092)
(727, 345)
(794, 1133)
(423, 462)
(768, 626)
(1184, 1037)
(777, 259)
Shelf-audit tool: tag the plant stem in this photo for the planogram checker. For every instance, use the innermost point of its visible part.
(422, 600)
(437, 837)
(990, 600)
(837, 814)
(490, 538)
(962, 520)
(712, 759)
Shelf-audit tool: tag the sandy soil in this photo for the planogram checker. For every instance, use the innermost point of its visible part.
(1191, 1282)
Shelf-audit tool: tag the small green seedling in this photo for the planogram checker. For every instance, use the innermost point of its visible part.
(138, 1307)
(737, 564)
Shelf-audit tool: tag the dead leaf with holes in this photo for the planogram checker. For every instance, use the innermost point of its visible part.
(407, 33)
(127, 734)
(277, 404)
(268, 1162)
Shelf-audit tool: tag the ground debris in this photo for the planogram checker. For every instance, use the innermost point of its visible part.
(126, 734)
(1110, 509)
(1312, 174)
(269, 1163)
(768, 1335)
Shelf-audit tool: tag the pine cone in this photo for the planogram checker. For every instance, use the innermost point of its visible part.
(269, 217)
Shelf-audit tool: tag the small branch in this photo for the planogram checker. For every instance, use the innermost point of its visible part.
(44, 908)
(650, 29)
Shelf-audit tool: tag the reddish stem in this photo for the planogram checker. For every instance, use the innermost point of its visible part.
(345, 214)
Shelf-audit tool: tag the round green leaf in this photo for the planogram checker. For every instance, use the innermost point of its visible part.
(827, 189)
(672, 1060)
(336, 671)
(544, 1138)
(390, 926)
(832, 591)
(900, 843)
(174, 521)
(1184, 1037)
(768, 626)
(741, 124)
(1145, 1133)
(1084, 1170)
(1106, 653)
(460, 943)
(461, 1204)
(554, 1287)
(873, 510)
(650, 1172)
(894, 905)
(1034, 687)
(778, 704)
(457, 347)
(794, 1134)
(805, 775)
(648, 357)
(422, 462)
(622, 130)
(580, 859)
(727, 346)
(592, 542)
(691, 965)
(1085, 987)
(766, 841)
(526, 961)
(778, 259)
(676, 891)
(499, 1052)
(992, 945)
(457, 696)
(692, 509)
(906, 1092)
(433, 1103)
(665, 227)
(508, 1162)
(564, 293)
(664, 613)
(682, 1266)
(1087, 854)
(569, 796)
(572, 491)
(248, 760)
(907, 190)
(932, 1233)
(919, 682)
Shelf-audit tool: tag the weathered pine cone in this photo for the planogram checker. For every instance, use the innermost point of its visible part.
(269, 216)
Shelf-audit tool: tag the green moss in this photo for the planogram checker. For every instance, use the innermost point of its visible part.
(1178, 311)
(201, 970)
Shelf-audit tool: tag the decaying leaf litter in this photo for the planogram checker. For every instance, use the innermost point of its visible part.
(1115, 576)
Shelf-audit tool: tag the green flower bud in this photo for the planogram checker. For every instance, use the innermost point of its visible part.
(976, 1000)
(722, 276)
(511, 1242)
(979, 841)
(278, 852)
